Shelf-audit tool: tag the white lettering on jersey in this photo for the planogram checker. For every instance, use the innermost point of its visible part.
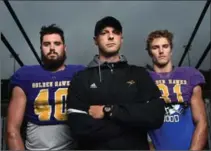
(171, 118)
(172, 114)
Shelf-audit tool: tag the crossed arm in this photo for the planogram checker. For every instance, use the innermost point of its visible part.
(145, 115)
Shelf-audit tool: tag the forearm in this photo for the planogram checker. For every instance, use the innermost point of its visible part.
(145, 115)
(15, 141)
(199, 138)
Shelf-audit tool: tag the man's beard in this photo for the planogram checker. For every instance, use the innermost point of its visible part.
(53, 64)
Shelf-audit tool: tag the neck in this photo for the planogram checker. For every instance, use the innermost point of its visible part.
(62, 67)
(162, 69)
(114, 58)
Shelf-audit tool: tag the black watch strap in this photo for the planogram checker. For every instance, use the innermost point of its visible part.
(107, 109)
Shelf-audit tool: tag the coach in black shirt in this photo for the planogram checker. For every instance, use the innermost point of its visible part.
(111, 104)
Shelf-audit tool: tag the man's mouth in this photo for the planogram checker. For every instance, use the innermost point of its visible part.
(162, 57)
(110, 44)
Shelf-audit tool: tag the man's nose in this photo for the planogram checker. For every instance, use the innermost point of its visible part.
(160, 50)
(52, 47)
(110, 36)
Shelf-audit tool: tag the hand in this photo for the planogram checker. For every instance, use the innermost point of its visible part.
(96, 111)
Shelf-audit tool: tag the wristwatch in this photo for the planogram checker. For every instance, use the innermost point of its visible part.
(107, 110)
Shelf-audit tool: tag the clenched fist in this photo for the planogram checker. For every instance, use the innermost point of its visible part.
(96, 111)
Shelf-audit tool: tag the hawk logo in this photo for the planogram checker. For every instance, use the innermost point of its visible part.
(174, 109)
(93, 86)
(130, 82)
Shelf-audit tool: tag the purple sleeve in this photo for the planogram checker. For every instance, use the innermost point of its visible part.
(196, 78)
(18, 79)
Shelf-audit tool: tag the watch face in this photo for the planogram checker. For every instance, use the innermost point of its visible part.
(107, 109)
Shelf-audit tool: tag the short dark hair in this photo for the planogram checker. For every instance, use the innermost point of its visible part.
(51, 29)
(107, 21)
(159, 34)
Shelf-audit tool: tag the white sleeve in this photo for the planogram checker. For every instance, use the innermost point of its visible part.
(71, 110)
(148, 138)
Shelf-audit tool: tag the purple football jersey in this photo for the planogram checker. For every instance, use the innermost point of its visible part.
(45, 91)
(177, 86)
(178, 128)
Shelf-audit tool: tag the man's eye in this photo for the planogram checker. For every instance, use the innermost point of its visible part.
(46, 44)
(154, 47)
(116, 32)
(166, 46)
(102, 33)
(57, 43)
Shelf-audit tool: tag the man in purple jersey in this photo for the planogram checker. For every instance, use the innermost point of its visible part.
(185, 123)
(39, 93)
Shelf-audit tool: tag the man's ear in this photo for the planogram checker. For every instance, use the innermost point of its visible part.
(122, 39)
(171, 53)
(95, 40)
(65, 48)
(149, 53)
